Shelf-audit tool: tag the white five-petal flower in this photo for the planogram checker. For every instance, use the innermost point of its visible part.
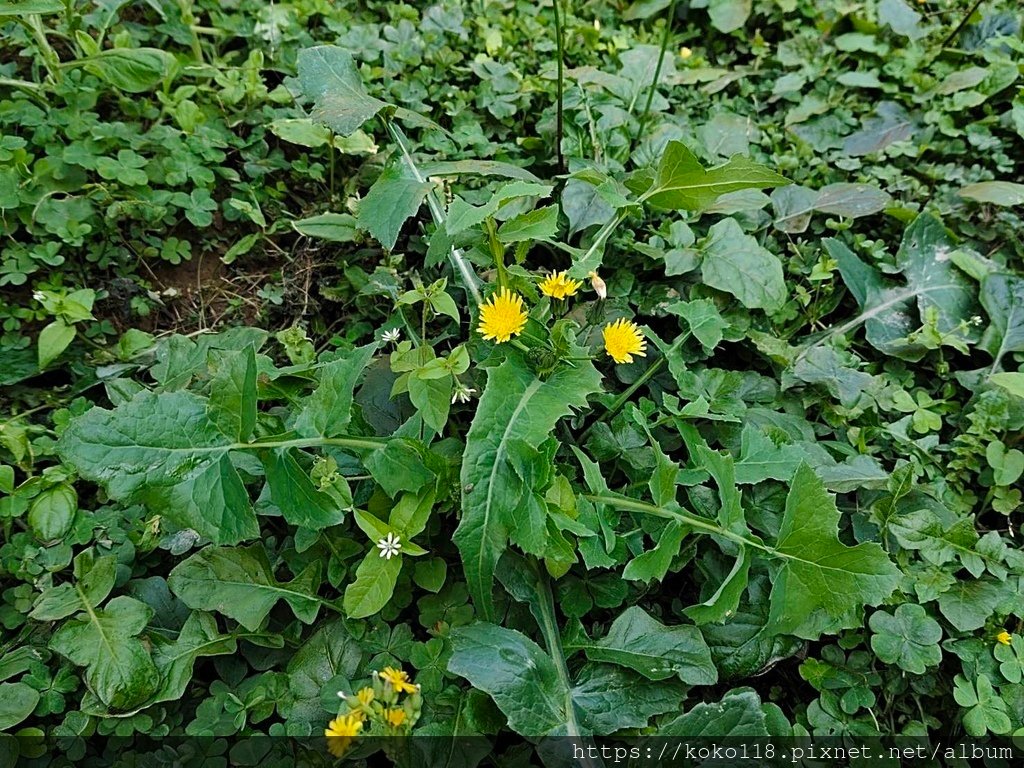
(392, 336)
(390, 546)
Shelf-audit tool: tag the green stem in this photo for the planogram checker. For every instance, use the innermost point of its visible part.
(497, 251)
(330, 162)
(602, 236)
(559, 109)
(357, 443)
(553, 641)
(469, 279)
(669, 18)
(51, 60)
(25, 85)
(698, 523)
(963, 23)
(188, 19)
(623, 398)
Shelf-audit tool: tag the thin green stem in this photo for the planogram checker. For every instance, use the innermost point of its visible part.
(602, 235)
(330, 162)
(469, 279)
(559, 108)
(646, 376)
(963, 23)
(357, 443)
(669, 18)
(25, 85)
(698, 523)
(497, 251)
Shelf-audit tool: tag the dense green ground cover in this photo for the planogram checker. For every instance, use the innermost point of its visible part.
(255, 444)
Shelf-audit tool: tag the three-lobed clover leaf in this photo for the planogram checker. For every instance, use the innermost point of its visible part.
(908, 638)
(986, 711)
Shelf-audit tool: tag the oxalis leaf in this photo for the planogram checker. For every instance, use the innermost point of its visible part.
(517, 412)
(821, 584)
(165, 451)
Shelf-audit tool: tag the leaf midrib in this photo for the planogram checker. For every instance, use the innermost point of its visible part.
(525, 398)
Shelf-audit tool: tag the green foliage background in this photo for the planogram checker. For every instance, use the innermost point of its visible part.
(796, 515)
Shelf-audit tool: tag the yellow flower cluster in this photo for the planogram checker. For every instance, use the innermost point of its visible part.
(390, 707)
(503, 316)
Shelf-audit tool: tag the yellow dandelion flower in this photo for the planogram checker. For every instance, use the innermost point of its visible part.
(1004, 637)
(502, 316)
(398, 679)
(685, 52)
(365, 696)
(558, 286)
(598, 285)
(395, 717)
(622, 340)
(340, 733)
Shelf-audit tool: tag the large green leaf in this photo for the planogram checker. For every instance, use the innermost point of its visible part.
(516, 673)
(640, 642)
(392, 199)
(239, 582)
(119, 669)
(324, 665)
(232, 405)
(820, 584)
(736, 263)
(198, 637)
(328, 410)
(738, 714)
(610, 698)
(995, 192)
(374, 585)
(294, 494)
(933, 283)
(518, 411)
(924, 259)
(163, 450)
(25, 7)
(328, 76)
(1002, 295)
(17, 700)
(683, 183)
(132, 69)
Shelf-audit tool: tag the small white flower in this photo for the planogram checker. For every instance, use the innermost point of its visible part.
(39, 296)
(392, 336)
(390, 546)
(462, 393)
